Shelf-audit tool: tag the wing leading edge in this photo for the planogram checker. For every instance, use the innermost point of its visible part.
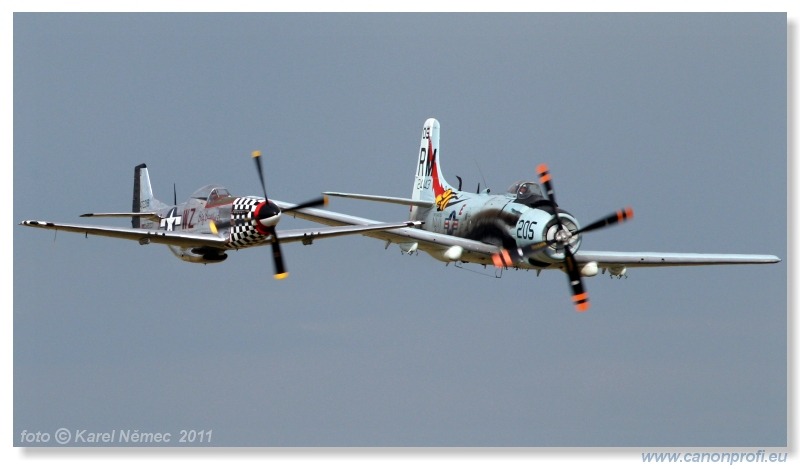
(177, 238)
(172, 238)
(669, 259)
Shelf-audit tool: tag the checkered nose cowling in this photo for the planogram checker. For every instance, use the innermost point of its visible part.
(243, 224)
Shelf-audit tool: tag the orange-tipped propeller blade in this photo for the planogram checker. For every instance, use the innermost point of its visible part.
(618, 217)
(579, 295)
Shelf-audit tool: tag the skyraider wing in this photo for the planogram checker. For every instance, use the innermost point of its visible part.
(476, 251)
(606, 259)
(381, 198)
(182, 239)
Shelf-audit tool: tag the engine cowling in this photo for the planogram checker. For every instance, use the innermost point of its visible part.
(248, 228)
(536, 225)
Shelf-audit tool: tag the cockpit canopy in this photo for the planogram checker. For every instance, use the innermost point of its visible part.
(212, 194)
(525, 192)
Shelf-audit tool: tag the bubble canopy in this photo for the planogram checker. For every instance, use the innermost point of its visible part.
(211, 193)
(525, 192)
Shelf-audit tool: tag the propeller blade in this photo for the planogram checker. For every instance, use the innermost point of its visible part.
(507, 258)
(257, 157)
(311, 203)
(267, 211)
(618, 217)
(545, 179)
(277, 257)
(579, 295)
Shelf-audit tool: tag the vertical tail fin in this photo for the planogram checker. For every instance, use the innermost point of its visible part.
(143, 200)
(429, 184)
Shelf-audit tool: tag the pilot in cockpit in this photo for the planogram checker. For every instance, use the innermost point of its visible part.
(217, 196)
(528, 193)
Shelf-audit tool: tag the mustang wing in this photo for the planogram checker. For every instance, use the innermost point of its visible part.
(189, 239)
(173, 238)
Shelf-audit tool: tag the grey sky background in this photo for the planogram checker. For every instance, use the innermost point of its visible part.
(682, 116)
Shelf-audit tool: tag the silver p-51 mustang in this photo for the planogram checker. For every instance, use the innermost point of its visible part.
(211, 222)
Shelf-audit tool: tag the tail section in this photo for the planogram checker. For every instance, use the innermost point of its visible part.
(143, 200)
(429, 185)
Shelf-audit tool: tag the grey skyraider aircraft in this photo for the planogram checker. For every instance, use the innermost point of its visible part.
(524, 228)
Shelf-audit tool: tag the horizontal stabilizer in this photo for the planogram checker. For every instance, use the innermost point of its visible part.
(149, 215)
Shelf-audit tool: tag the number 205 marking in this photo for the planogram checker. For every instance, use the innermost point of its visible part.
(525, 229)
